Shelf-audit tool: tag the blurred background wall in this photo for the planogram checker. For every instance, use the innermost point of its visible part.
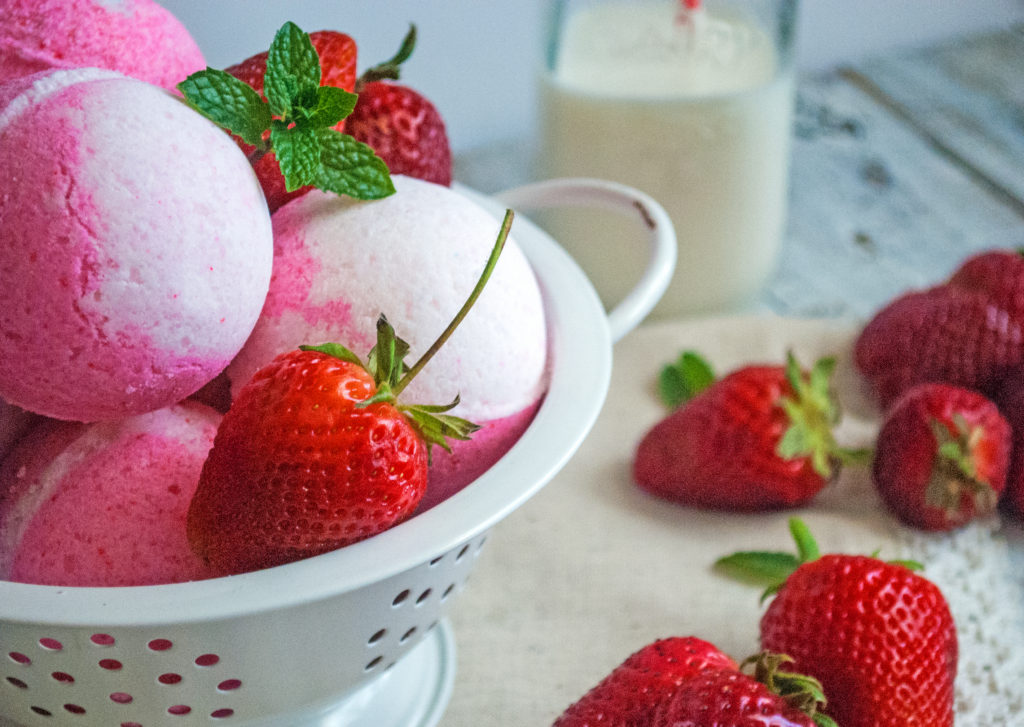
(476, 59)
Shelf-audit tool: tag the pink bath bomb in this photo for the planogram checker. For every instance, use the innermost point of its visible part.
(136, 37)
(139, 246)
(104, 504)
(414, 256)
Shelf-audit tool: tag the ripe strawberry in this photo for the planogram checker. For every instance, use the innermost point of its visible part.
(879, 637)
(941, 456)
(728, 698)
(629, 694)
(950, 334)
(999, 273)
(400, 124)
(759, 438)
(316, 452)
(337, 53)
(1010, 398)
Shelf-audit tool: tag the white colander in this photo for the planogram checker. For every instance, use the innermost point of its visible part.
(352, 637)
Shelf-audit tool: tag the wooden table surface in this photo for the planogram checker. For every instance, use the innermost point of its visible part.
(902, 166)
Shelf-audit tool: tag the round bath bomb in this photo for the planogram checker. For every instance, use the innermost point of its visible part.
(136, 37)
(138, 246)
(414, 256)
(104, 504)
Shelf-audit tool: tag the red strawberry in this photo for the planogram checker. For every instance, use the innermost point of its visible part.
(728, 698)
(1010, 398)
(941, 456)
(629, 694)
(759, 438)
(316, 452)
(879, 637)
(999, 273)
(401, 125)
(948, 334)
(337, 53)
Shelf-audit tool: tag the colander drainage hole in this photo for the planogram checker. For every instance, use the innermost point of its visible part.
(17, 682)
(20, 658)
(160, 644)
(229, 685)
(110, 664)
(74, 709)
(222, 713)
(102, 639)
(401, 598)
(407, 635)
(169, 678)
(373, 663)
(462, 553)
(42, 712)
(63, 677)
(447, 592)
(207, 659)
(375, 639)
(179, 709)
(51, 644)
(121, 698)
(424, 596)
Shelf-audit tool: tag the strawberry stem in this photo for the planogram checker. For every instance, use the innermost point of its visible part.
(499, 245)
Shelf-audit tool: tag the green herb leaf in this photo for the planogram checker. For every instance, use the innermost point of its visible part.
(351, 167)
(293, 71)
(298, 154)
(681, 380)
(229, 103)
(332, 105)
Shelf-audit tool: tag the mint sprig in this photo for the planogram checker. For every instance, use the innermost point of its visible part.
(295, 120)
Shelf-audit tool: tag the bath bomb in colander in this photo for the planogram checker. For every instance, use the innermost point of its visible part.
(137, 246)
(414, 256)
(104, 504)
(136, 37)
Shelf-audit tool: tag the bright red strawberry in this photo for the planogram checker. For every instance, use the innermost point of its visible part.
(999, 273)
(759, 438)
(948, 334)
(629, 694)
(316, 452)
(1010, 398)
(879, 637)
(337, 53)
(727, 698)
(401, 125)
(941, 456)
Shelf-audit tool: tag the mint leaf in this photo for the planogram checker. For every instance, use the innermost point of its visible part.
(351, 167)
(298, 154)
(332, 105)
(229, 103)
(293, 71)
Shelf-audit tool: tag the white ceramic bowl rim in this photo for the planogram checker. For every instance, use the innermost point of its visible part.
(581, 357)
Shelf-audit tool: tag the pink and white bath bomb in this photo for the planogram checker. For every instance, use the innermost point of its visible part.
(136, 37)
(137, 246)
(414, 256)
(104, 504)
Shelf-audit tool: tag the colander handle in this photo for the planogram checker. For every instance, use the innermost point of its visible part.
(649, 215)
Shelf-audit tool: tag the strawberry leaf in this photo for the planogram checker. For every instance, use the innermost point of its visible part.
(298, 154)
(760, 568)
(806, 546)
(336, 350)
(293, 71)
(386, 361)
(351, 167)
(681, 380)
(229, 103)
(438, 428)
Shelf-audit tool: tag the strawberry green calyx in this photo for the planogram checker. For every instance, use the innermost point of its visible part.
(954, 472)
(684, 378)
(390, 69)
(799, 690)
(386, 363)
(770, 569)
(813, 413)
(294, 121)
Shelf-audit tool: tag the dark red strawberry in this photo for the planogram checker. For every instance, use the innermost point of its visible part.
(630, 693)
(879, 637)
(730, 698)
(759, 438)
(999, 273)
(941, 456)
(1010, 398)
(337, 53)
(400, 124)
(948, 334)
